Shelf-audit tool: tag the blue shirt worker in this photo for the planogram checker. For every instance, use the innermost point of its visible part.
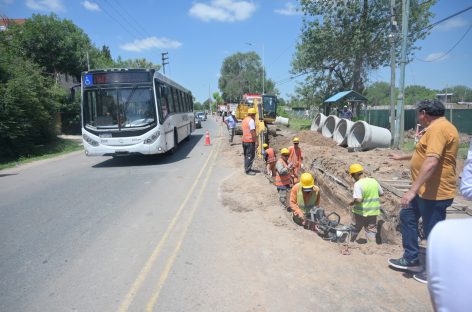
(345, 113)
(366, 202)
(230, 122)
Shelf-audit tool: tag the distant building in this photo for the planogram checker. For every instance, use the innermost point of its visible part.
(7, 22)
(445, 97)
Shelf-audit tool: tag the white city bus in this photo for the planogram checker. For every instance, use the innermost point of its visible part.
(133, 111)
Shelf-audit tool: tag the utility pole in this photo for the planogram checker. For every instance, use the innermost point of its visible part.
(400, 120)
(165, 61)
(392, 36)
(88, 61)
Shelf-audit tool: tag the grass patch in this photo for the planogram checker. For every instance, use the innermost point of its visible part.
(409, 147)
(299, 123)
(53, 149)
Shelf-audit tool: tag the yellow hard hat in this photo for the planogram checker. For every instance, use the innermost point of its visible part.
(284, 151)
(307, 181)
(251, 111)
(265, 145)
(355, 168)
(296, 140)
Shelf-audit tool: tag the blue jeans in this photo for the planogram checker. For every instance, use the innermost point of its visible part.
(431, 211)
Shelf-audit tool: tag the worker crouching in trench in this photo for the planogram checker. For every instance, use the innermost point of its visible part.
(304, 196)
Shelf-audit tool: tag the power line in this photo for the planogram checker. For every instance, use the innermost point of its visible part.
(288, 79)
(117, 21)
(446, 18)
(453, 47)
(134, 20)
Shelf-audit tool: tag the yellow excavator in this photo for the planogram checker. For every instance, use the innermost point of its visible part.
(266, 112)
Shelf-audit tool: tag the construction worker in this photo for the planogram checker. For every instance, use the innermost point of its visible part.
(304, 196)
(366, 203)
(295, 158)
(283, 177)
(270, 159)
(249, 139)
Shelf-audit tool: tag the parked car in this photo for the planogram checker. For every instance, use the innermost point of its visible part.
(201, 115)
(198, 122)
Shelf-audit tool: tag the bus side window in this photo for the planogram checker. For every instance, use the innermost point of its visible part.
(172, 108)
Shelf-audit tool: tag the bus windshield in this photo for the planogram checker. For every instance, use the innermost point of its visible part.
(113, 108)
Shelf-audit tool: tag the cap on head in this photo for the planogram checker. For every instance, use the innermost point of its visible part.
(251, 111)
(355, 168)
(307, 181)
(432, 107)
(265, 145)
(345, 106)
(296, 140)
(284, 151)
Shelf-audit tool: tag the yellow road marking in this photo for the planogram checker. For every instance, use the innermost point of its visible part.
(150, 262)
(171, 259)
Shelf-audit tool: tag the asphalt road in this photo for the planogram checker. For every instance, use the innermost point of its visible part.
(100, 234)
(182, 232)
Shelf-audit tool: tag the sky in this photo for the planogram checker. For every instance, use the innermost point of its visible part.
(198, 35)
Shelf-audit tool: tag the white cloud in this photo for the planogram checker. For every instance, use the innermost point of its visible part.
(289, 9)
(139, 45)
(223, 10)
(91, 6)
(454, 23)
(438, 56)
(46, 5)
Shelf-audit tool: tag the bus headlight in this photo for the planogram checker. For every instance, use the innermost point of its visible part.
(152, 138)
(89, 140)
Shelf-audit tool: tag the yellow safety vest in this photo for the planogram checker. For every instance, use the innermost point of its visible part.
(306, 207)
(370, 205)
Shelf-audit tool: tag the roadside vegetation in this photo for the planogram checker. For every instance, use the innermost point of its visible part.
(43, 151)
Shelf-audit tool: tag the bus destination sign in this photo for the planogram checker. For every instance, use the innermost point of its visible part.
(116, 77)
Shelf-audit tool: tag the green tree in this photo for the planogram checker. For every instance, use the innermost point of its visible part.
(343, 40)
(460, 93)
(378, 93)
(136, 63)
(28, 103)
(415, 93)
(58, 46)
(242, 73)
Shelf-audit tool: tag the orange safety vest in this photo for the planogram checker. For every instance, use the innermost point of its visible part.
(284, 179)
(295, 156)
(270, 155)
(247, 136)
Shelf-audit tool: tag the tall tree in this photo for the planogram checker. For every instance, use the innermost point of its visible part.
(136, 63)
(378, 93)
(56, 45)
(242, 73)
(343, 40)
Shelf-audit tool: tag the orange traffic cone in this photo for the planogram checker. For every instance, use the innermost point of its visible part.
(207, 138)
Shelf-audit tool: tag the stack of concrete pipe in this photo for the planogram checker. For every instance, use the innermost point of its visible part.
(341, 132)
(329, 126)
(359, 135)
(318, 122)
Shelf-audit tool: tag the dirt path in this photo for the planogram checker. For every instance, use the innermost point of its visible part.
(302, 265)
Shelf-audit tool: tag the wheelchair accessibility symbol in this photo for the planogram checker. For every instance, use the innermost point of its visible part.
(88, 80)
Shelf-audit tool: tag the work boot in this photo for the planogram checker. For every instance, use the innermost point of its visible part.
(403, 264)
(421, 277)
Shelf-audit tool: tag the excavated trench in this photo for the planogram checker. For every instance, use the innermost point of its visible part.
(329, 162)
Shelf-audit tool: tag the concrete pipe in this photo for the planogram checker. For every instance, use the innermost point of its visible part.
(281, 121)
(329, 125)
(342, 131)
(318, 122)
(365, 137)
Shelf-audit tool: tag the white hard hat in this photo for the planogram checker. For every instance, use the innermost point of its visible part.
(345, 106)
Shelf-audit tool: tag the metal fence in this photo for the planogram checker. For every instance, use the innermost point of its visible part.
(461, 118)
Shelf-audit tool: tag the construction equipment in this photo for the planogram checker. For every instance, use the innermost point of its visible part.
(266, 111)
(328, 226)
